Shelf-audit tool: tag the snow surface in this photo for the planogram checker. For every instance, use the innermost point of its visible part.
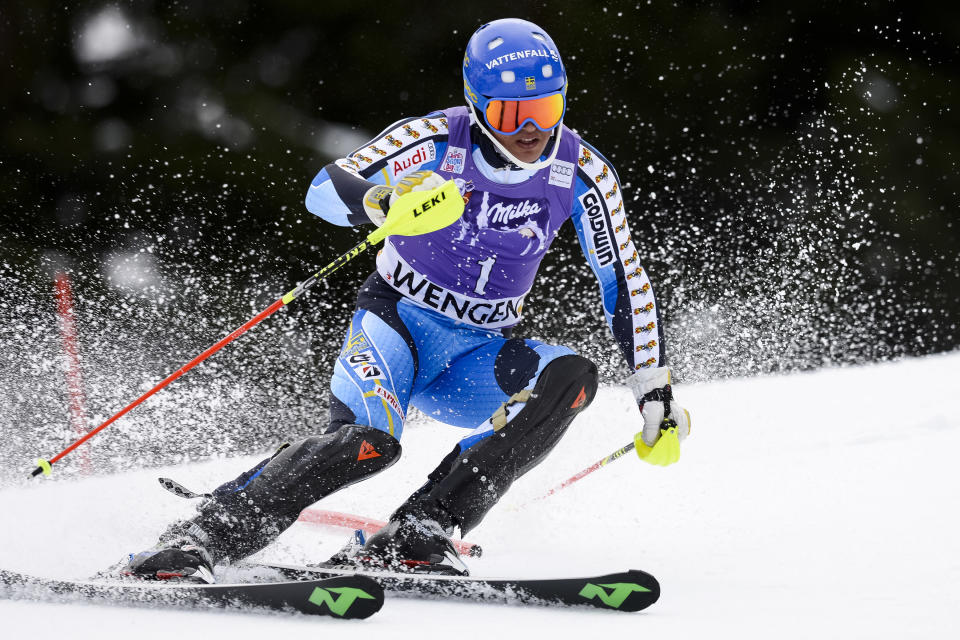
(815, 505)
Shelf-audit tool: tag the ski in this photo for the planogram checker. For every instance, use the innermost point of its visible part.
(348, 596)
(630, 590)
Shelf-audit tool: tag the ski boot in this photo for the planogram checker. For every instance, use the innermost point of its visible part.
(179, 555)
(407, 543)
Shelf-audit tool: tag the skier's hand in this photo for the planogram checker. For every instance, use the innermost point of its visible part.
(378, 200)
(665, 422)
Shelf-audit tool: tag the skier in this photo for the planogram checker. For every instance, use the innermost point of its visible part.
(433, 324)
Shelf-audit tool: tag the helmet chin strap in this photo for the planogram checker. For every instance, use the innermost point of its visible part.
(540, 164)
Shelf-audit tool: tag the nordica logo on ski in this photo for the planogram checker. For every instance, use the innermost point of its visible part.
(601, 242)
(619, 593)
(344, 600)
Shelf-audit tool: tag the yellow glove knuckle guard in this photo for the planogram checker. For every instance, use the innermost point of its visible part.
(664, 452)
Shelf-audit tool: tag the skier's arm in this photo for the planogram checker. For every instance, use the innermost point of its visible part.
(600, 220)
(629, 305)
(337, 192)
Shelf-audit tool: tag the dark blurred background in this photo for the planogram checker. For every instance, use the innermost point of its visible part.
(790, 171)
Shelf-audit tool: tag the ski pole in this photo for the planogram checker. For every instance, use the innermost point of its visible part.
(664, 452)
(616, 455)
(643, 452)
(413, 213)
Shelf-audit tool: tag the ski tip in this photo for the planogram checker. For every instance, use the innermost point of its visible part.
(630, 591)
(648, 582)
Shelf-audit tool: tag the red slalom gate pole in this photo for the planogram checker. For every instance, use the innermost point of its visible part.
(339, 519)
(63, 293)
(350, 521)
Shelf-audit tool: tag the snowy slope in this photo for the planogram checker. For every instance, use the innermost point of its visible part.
(813, 505)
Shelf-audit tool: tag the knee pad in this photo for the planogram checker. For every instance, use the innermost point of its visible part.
(565, 387)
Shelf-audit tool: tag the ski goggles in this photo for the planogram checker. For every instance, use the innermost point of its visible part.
(507, 116)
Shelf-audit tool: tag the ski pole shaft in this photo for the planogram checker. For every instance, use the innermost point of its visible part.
(643, 451)
(407, 217)
(44, 465)
(616, 455)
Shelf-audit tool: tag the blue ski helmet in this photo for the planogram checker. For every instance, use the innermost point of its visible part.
(514, 60)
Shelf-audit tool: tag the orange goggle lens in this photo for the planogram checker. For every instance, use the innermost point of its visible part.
(508, 116)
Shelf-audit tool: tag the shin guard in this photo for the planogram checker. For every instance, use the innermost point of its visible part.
(243, 522)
